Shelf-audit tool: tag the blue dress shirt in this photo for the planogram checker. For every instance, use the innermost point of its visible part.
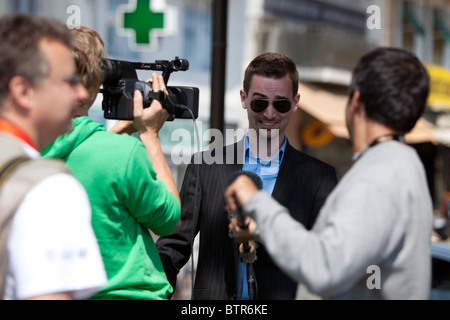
(267, 170)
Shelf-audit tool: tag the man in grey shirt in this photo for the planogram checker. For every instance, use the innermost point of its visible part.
(372, 237)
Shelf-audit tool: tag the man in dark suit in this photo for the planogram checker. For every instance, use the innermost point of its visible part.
(298, 181)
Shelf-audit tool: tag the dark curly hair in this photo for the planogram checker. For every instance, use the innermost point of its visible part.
(393, 86)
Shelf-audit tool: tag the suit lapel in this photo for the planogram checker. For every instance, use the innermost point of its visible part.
(235, 153)
(231, 165)
(285, 183)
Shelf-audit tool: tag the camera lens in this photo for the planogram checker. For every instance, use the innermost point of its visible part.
(112, 70)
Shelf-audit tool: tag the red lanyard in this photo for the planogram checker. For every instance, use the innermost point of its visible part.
(13, 130)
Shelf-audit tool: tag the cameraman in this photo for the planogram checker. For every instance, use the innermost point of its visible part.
(129, 183)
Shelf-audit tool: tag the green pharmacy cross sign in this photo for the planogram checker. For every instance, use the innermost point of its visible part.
(140, 20)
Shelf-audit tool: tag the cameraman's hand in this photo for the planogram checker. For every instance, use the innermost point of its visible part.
(150, 120)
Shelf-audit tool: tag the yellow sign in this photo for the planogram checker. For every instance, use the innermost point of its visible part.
(439, 87)
(316, 134)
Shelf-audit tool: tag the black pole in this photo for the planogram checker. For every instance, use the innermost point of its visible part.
(219, 46)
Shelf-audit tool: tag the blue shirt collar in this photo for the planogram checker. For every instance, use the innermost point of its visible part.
(250, 157)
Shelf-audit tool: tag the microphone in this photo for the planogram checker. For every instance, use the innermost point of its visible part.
(251, 279)
(256, 180)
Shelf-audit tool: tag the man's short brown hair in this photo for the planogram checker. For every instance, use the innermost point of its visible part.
(20, 36)
(272, 65)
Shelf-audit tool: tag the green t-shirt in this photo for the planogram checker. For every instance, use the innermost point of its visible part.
(127, 201)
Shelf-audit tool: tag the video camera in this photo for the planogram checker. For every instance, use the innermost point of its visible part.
(120, 81)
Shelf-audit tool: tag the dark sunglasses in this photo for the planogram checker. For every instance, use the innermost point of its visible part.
(259, 105)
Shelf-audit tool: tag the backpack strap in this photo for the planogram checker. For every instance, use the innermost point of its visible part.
(9, 167)
(17, 177)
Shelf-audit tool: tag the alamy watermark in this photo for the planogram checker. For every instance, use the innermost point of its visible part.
(374, 280)
(374, 18)
(74, 19)
(187, 144)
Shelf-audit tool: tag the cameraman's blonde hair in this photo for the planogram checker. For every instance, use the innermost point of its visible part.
(89, 52)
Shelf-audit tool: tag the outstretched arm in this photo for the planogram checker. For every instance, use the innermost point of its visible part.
(149, 121)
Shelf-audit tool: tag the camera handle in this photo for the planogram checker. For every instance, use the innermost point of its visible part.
(161, 96)
(165, 101)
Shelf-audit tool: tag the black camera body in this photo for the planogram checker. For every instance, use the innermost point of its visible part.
(120, 80)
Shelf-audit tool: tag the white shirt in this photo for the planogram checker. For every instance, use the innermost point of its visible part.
(50, 249)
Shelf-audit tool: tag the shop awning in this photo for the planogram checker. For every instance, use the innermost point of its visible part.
(439, 98)
(329, 108)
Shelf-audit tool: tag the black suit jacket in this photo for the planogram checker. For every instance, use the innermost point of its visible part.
(302, 185)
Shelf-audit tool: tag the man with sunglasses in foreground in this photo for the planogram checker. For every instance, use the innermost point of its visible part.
(300, 182)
